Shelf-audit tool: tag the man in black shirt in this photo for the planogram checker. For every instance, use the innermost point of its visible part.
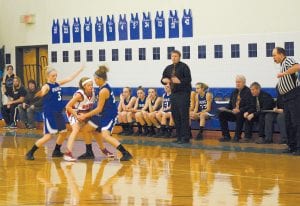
(239, 103)
(260, 102)
(178, 75)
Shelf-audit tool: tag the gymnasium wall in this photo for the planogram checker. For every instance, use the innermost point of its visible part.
(214, 23)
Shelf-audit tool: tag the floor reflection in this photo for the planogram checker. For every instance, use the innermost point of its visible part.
(156, 176)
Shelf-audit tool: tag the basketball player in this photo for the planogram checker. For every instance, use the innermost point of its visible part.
(165, 113)
(202, 107)
(137, 110)
(52, 112)
(107, 108)
(82, 102)
(125, 111)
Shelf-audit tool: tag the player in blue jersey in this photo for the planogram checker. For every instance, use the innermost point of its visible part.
(54, 121)
(164, 114)
(203, 102)
(125, 107)
(103, 117)
(137, 109)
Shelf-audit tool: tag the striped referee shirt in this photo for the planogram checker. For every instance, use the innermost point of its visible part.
(290, 81)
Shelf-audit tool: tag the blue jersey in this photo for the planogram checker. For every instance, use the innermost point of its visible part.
(141, 103)
(187, 24)
(126, 102)
(55, 32)
(147, 26)
(88, 29)
(160, 26)
(202, 102)
(122, 27)
(99, 29)
(173, 25)
(52, 101)
(76, 29)
(110, 28)
(134, 27)
(110, 106)
(66, 31)
(166, 102)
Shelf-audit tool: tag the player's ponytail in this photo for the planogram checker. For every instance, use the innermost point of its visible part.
(102, 72)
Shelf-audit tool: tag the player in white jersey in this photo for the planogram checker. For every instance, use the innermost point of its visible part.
(82, 102)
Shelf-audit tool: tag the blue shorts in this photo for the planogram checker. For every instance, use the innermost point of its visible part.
(54, 122)
(101, 123)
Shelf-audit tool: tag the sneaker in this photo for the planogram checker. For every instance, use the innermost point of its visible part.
(69, 157)
(12, 126)
(57, 153)
(199, 136)
(29, 156)
(126, 157)
(30, 127)
(107, 153)
(86, 156)
(225, 139)
(245, 140)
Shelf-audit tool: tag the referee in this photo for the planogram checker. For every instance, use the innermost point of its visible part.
(289, 88)
(178, 75)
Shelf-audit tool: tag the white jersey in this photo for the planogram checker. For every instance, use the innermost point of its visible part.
(84, 106)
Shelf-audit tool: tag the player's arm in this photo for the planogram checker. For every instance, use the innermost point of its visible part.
(209, 102)
(70, 105)
(44, 90)
(157, 104)
(102, 97)
(70, 78)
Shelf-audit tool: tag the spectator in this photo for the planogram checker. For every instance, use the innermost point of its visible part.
(276, 116)
(30, 106)
(9, 110)
(7, 84)
(238, 104)
(203, 101)
(260, 101)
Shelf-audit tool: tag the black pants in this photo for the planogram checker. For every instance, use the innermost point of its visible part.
(260, 119)
(9, 114)
(180, 103)
(292, 117)
(225, 117)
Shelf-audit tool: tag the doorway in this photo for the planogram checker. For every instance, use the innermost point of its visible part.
(31, 62)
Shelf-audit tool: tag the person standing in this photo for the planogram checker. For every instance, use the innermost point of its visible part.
(289, 88)
(178, 75)
(104, 115)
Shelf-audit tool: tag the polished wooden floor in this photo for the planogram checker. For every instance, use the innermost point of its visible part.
(161, 173)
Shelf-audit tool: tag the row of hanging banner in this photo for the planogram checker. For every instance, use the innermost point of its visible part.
(109, 28)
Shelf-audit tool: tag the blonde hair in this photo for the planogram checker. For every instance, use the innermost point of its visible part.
(20, 83)
(49, 70)
(202, 85)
